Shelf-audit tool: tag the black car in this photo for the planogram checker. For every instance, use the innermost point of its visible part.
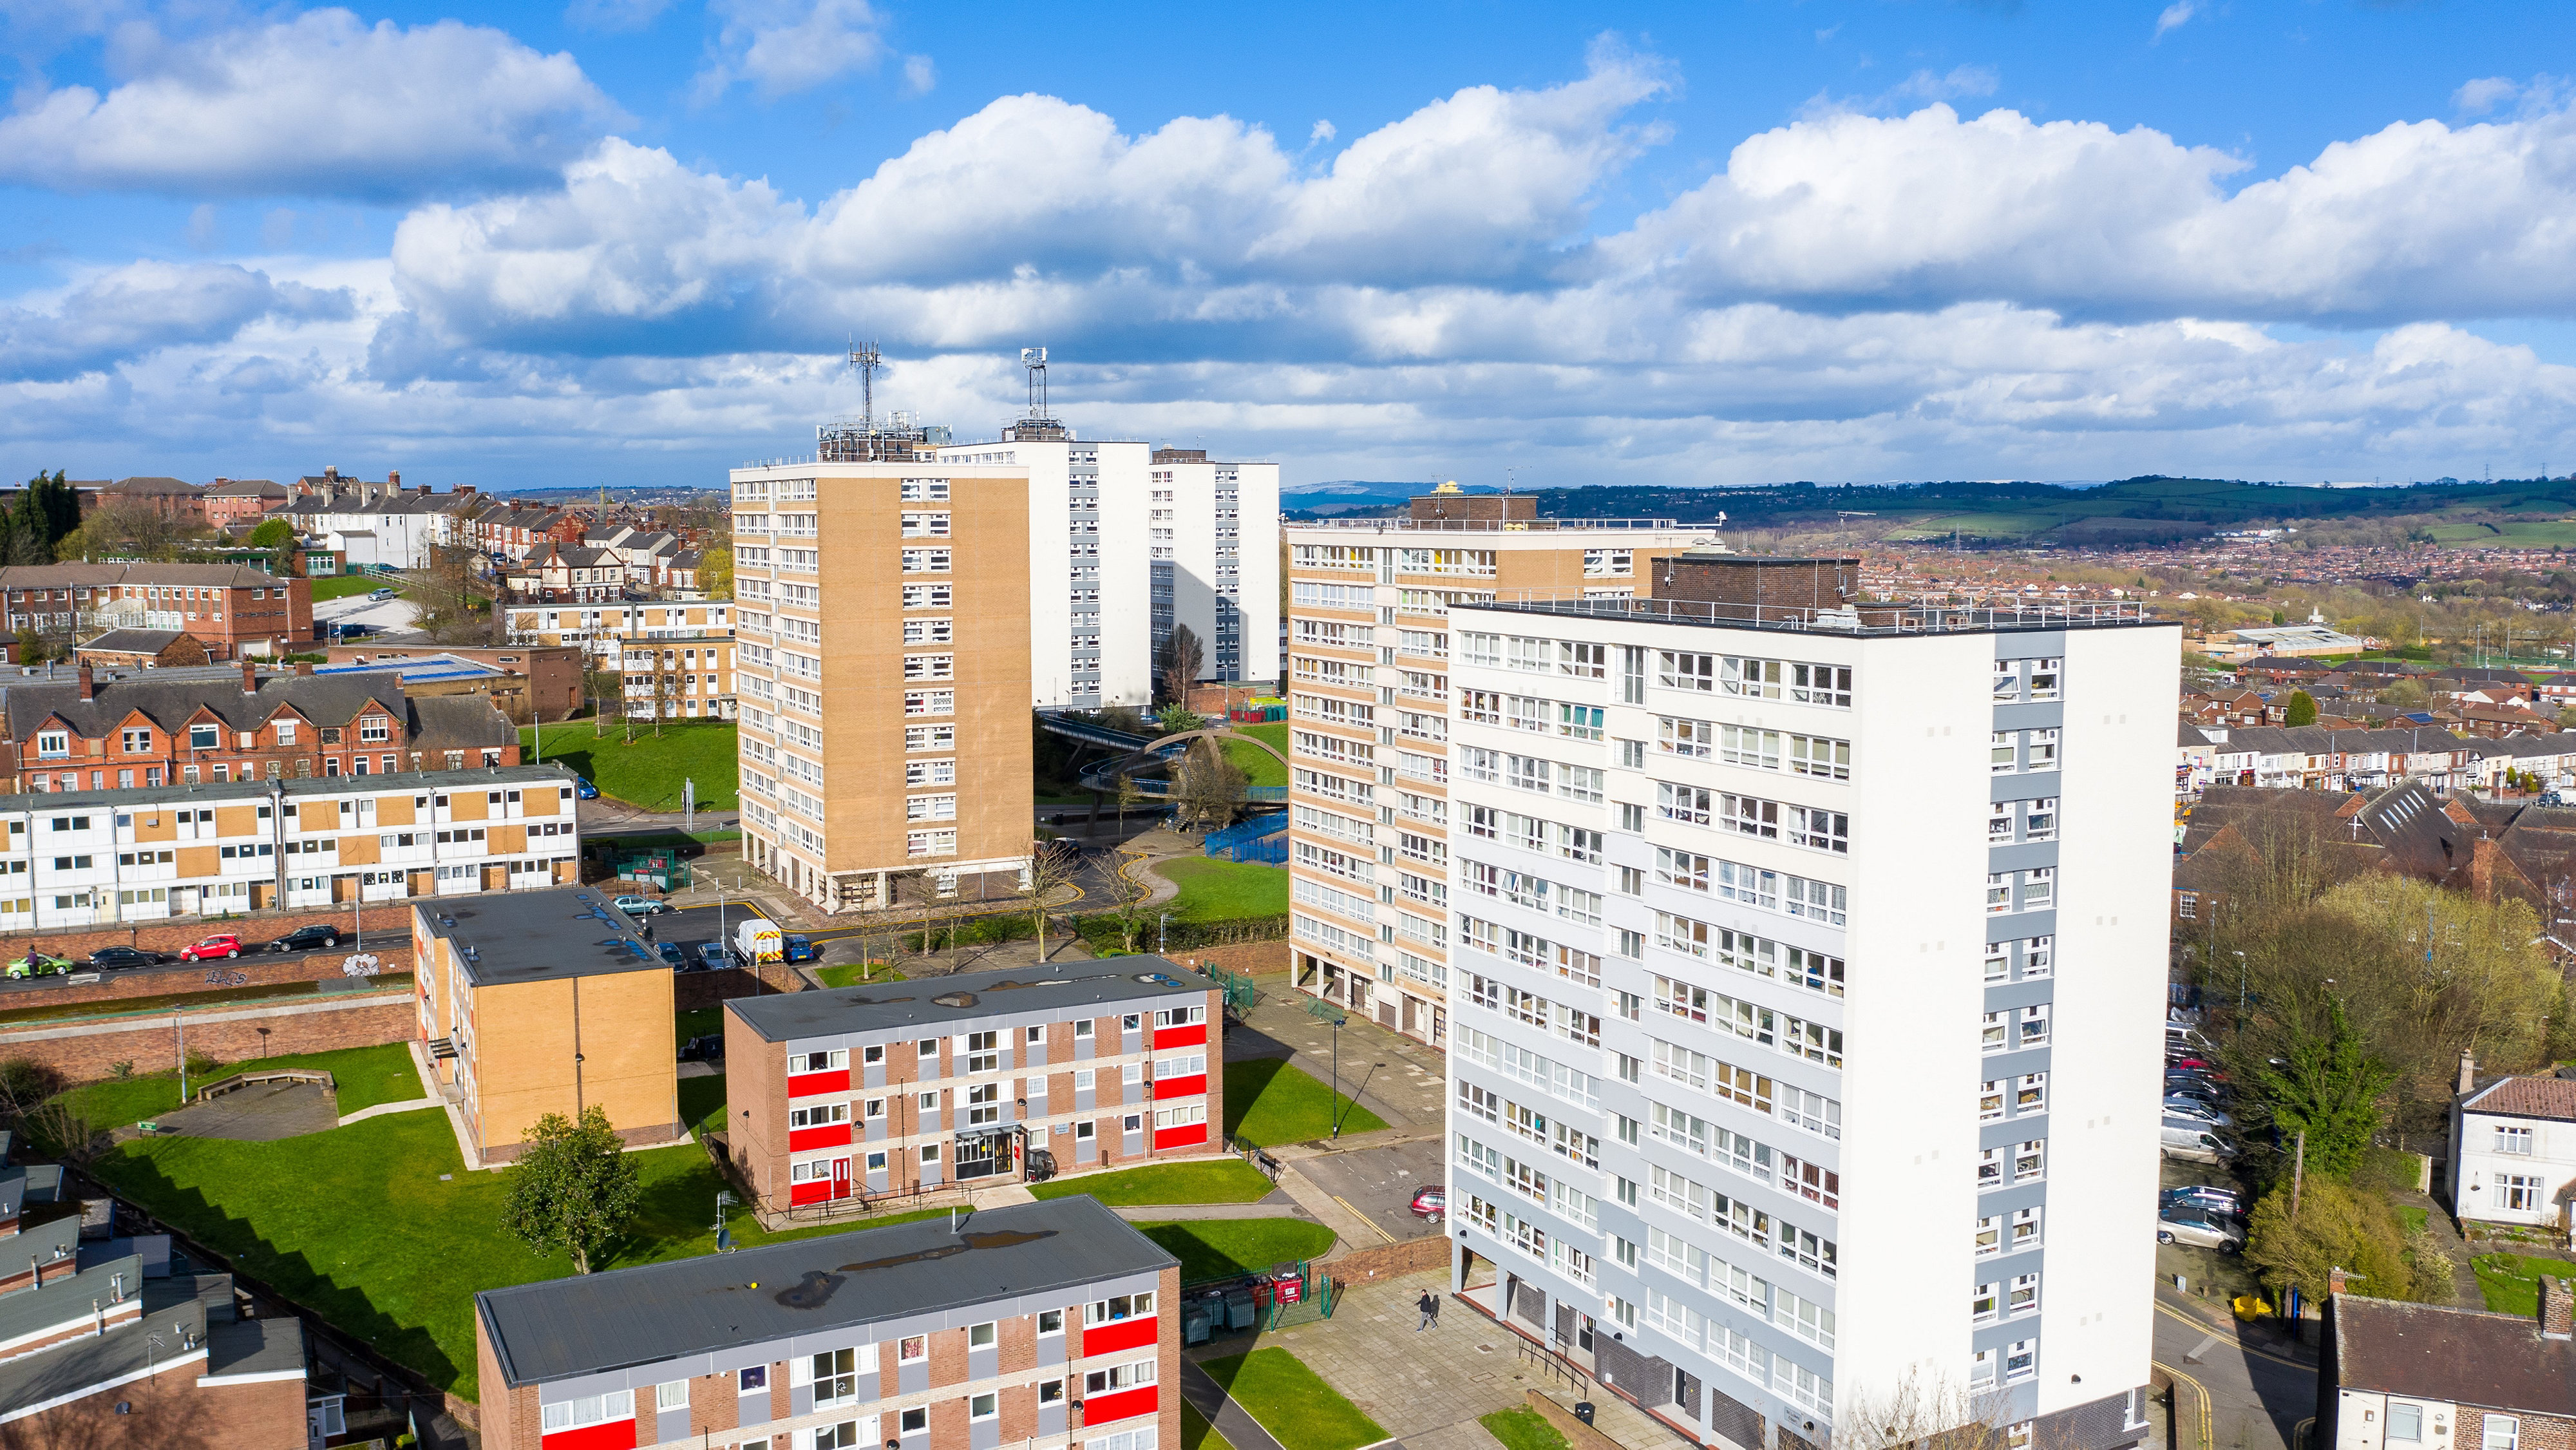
(307, 938)
(671, 954)
(117, 959)
(709, 1048)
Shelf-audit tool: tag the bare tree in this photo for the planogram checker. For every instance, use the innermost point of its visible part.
(1178, 666)
(1924, 1412)
(1207, 788)
(607, 691)
(446, 592)
(1127, 891)
(1051, 865)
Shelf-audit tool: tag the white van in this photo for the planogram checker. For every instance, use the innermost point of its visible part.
(2180, 1036)
(755, 942)
(2194, 1142)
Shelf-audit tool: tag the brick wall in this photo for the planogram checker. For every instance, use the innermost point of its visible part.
(1382, 1260)
(391, 918)
(394, 959)
(89, 1051)
(693, 990)
(170, 1408)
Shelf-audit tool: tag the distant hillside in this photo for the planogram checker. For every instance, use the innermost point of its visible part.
(2149, 510)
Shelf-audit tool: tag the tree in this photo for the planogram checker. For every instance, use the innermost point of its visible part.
(446, 593)
(131, 529)
(715, 571)
(2337, 1227)
(1051, 864)
(2405, 694)
(607, 691)
(2327, 1087)
(278, 537)
(574, 1190)
(1934, 1412)
(1177, 719)
(1207, 788)
(2567, 718)
(2302, 709)
(1127, 891)
(1177, 664)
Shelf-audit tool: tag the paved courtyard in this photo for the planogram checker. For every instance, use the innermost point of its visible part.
(260, 1114)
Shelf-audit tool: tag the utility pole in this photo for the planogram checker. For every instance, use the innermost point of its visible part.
(2298, 1174)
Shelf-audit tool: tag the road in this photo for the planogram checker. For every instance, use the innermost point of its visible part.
(1379, 1183)
(381, 614)
(2255, 1396)
(182, 976)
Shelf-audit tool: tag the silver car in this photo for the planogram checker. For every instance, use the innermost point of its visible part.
(2198, 1228)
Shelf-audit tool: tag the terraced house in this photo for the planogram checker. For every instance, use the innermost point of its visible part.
(835, 1096)
(232, 609)
(211, 726)
(1043, 1326)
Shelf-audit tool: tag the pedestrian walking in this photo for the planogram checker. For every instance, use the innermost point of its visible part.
(1430, 1308)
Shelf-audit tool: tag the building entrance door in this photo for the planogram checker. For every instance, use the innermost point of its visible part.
(840, 1178)
(982, 1157)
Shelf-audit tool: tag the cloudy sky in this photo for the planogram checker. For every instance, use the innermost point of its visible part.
(1730, 241)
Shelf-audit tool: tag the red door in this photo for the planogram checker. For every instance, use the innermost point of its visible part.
(840, 1178)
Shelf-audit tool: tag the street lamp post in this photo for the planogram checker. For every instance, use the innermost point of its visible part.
(1337, 1074)
(2240, 994)
(1163, 936)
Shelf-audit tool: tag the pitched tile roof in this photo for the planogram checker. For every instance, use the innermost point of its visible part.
(172, 703)
(2526, 1097)
(2425, 1351)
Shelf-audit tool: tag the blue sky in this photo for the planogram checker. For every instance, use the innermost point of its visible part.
(1721, 243)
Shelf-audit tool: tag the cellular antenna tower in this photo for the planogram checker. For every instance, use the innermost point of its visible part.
(1037, 423)
(863, 439)
(867, 360)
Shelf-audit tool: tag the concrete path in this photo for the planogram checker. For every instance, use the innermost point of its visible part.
(2438, 1222)
(379, 1110)
(1218, 1408)
(1347, 1223)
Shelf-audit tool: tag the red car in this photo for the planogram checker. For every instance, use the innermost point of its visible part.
(1431, 1202)
(227, 946)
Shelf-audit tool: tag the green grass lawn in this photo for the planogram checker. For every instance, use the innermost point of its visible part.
(1292, 1402)
(2412, 1219)
(365, 1077)
(1213, 1248)
(1220, 1180)
(1267, 1102)
(1260, 767)
(1522, 1428)
(1197, 1433)
(1223, 890)
(348, 584)
(357, 1224)
(2511, 1282)
(847, 975)
(703, 1022)
(648, 773)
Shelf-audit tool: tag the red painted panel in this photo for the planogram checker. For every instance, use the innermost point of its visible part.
(1121, 1334)
(829, 1136)
(809, 1084)
(814, 1192)
(1190, 1036)
(607, 1435)
(1101, 1409)
(1180, 1137)
(1166, 1088)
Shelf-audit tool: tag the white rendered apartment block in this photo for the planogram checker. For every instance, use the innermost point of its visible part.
(1804, 996)
(1212, 543)
(1087, 571)
(1370, 830)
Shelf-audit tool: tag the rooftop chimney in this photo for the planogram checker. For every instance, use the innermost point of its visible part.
(304, 668)
(89, 685)
(393, 479)
(2556, 1319)
(250, 677)
(2468, 1071)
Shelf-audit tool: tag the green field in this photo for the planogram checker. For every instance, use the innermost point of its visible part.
(1223, 890)
(348, 584)
(1522, 1428)
(1269, 1102)
(364, 1076)
(1214, 1248)
(647, 773)
(1197, 1433)
(1259, 767)
(2518, 533)
(2511, 1282)
(1219, 1180)
(1292, 1402)
(357, 1224)
(847, 975)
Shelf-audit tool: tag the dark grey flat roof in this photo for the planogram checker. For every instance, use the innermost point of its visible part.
(537, 936)
(947, 1000)
(218, 792)
(589, 1324)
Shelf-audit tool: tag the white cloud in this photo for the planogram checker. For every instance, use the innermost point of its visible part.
(116, 316)
(2478, 97)
(1323, 132)
(919, 75)
(320, 105)
(782, 47)
(614, 15)
(2175, 16)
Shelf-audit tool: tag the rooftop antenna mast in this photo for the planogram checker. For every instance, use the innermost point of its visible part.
(1034, 360)
(867, 359)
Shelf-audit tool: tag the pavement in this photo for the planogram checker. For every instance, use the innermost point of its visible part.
(261, 1113)
(1378, 1184)
(2231, 1393)
(1400, 1080)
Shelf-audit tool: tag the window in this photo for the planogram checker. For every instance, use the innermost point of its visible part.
(2405, 1421)
(1050, 1321)
(915, 1420)
(1118, 1377)
(138, 742)
(1123, 1306)
(54, 743)
(205, 737)
(671, 1395)
(983, 1407)
(982, 1336)
(2503, 1432)
(753, 1377)
(836, 1375)
(2513, 1140)
(2521, 1194)
(595, 1410)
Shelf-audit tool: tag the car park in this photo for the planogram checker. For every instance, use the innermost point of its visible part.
(223, 946)
(1431, 1202)
(2198, 1228)
(711, 957)
(37, 964)
(2203, 1196)
(317, 936)
(642, 906)
(119, 959)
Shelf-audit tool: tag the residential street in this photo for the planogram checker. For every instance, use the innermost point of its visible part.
(2253, 1397)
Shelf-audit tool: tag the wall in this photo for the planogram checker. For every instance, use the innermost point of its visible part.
(89, 1051)
(1384, 1260)
(525, 1038)
(691, 991)
(393, 958)
(170, 1408)
(1250, 956)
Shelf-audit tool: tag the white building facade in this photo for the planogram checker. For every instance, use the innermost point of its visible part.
(1804, 1000)
(2513, 1151)
(1212, 543)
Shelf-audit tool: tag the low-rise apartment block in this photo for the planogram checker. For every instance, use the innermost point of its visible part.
(1042, 1326)
(234, 610)
(840, 1095)
(681, 677)
(605, 630)
(548, 1002)
(1370, 707)
(212, 726)
(90, 858)
(883, 673)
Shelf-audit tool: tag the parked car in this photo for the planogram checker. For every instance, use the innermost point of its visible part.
(2198, 1112)
(2203, 1196)
(799, 949)
(2551, 798)
(37, 964)
(118, 959)
(582, 788)
(2183, 1037)
(1041, 1165)
(317, 936)
(671, 954)
(709, 1048)
(711, 957)
(1431, 1202)
(2192, 1141)
(223, 944)
(2197, 1091)
(2199, 1228)
(380, 594)
(642, 906)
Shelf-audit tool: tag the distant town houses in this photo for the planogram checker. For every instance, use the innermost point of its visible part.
(231, 609)
(2493, 850)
